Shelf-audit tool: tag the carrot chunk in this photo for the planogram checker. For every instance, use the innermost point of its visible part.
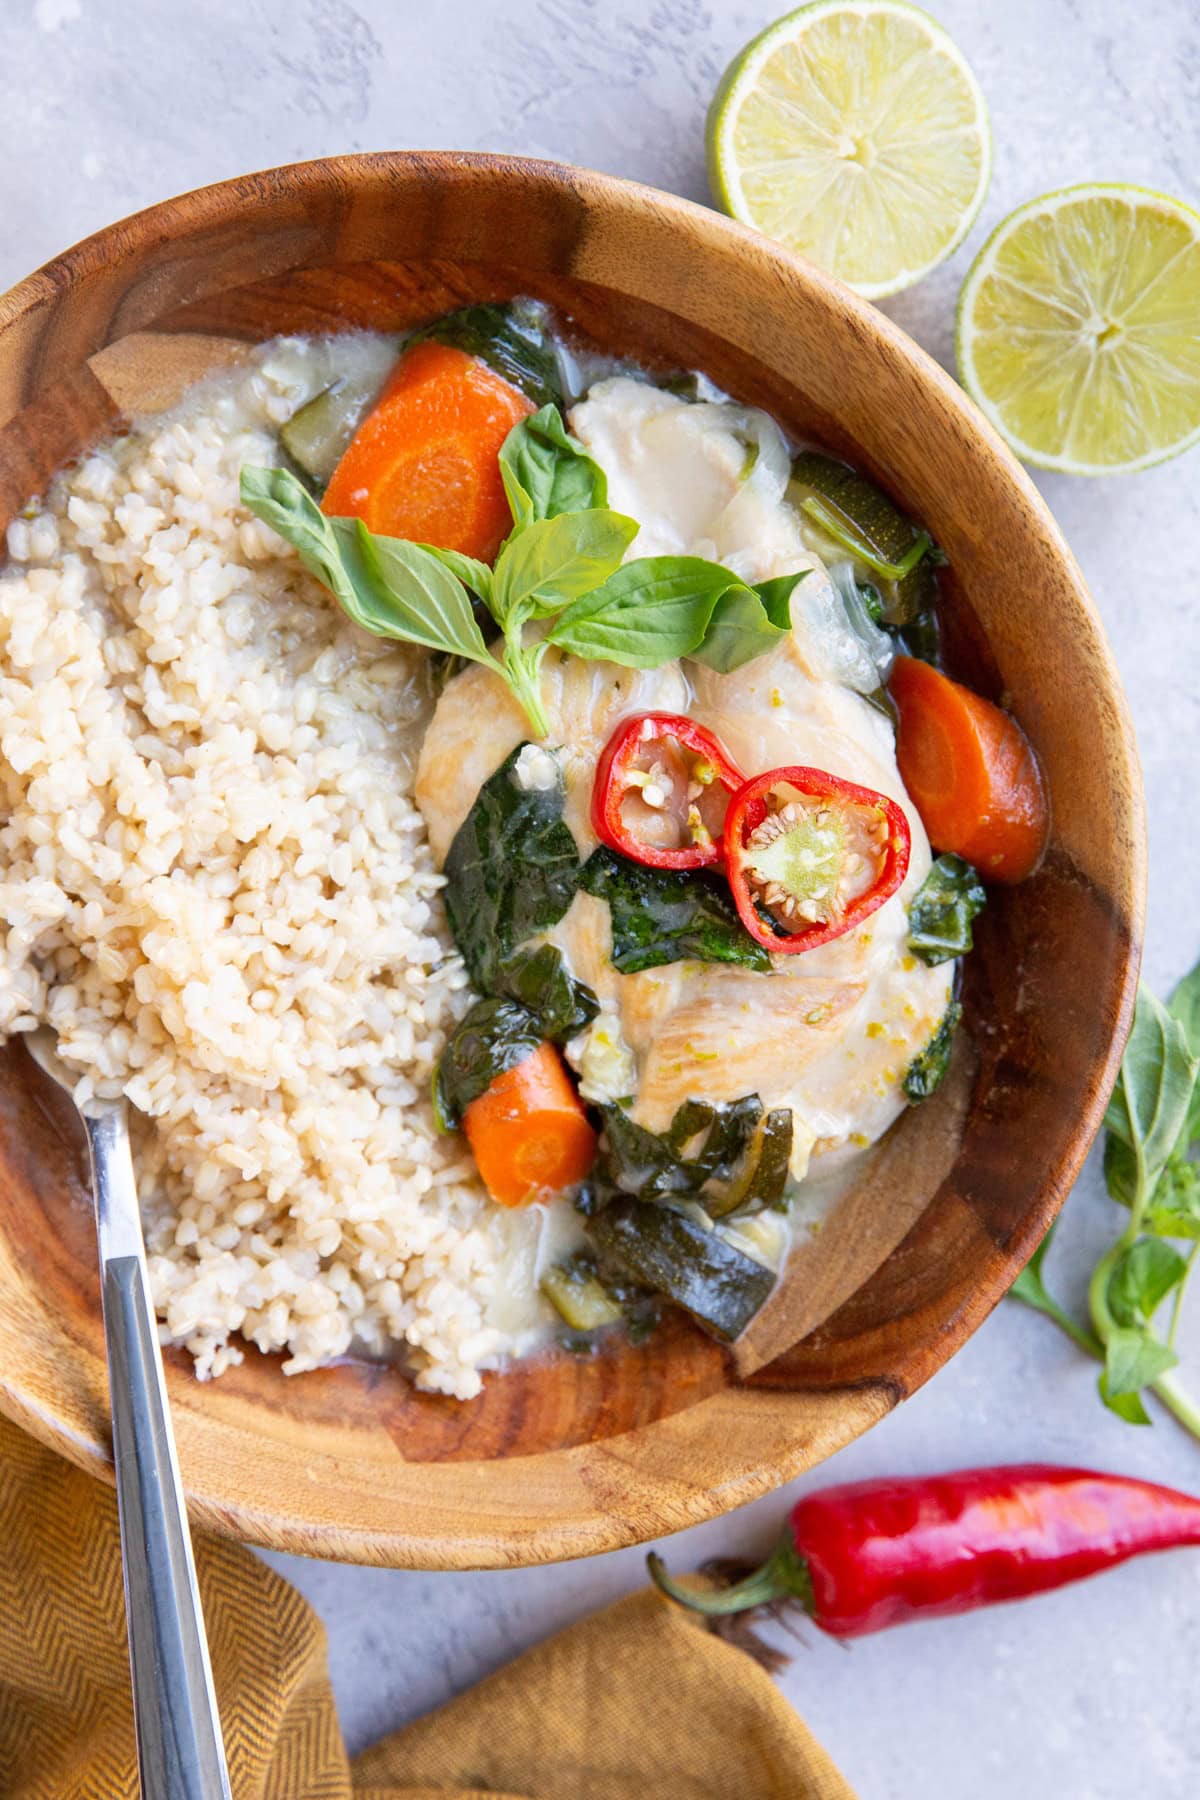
(529, 1134)
(971, 773)
(423, 463)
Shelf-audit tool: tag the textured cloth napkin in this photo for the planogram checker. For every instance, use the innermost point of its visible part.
(636, 1702)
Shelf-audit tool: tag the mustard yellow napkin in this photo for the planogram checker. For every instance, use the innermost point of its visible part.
(637, 1702)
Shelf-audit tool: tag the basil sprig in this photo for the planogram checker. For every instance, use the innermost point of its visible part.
(1150, 1167)
(561, 568)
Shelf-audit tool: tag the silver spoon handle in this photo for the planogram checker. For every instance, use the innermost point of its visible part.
(180, 1754)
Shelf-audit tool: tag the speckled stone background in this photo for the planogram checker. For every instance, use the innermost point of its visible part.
(1089, 1694)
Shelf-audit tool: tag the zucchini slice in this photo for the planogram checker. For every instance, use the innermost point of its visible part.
(719, 1286)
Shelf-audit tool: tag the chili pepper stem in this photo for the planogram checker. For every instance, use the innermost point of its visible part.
(784, 1576)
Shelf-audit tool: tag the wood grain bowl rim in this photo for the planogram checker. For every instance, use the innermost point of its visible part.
(621, 1490)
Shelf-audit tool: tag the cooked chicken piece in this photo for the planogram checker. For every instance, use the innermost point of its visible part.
(477, 722)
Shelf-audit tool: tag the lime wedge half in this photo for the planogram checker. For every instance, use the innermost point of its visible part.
(856, 135)
(1079, 329)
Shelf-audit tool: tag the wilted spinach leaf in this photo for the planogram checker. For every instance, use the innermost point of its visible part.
(494, 1036)
(927, 1070)
(728, 1155)
(668, 915)
(511, 873)
(539, 980)
(939, 919)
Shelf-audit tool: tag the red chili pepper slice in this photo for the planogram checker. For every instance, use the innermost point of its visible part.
(810, 856)
(662, 788)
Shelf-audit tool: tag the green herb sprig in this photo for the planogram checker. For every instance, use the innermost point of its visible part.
(1153, 1125)
(559, 571)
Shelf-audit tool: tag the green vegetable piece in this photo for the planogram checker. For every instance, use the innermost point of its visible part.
(578, 1296)
(319, 432)
(939, 919)
(1141, 1280)
(1150, 1104)
(511, 873)
(550, 562)
(540, 981)
(658, 608)
(387, 585)
(494, 1036)
(719, 1286)
(668, 915)
(927, 1070)
(546, 471)
(511, 340)
(861, 518)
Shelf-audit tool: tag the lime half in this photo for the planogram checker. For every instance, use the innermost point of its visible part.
(1079, 329)
(856, 135)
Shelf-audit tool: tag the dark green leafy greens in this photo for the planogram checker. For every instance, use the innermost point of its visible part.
(1153, 1123)
(927, 1070)
(511, 872)
(730, 1156)
(942, 911)
(540, 981)
(494, 1036)
(668, 915)
(513, 340)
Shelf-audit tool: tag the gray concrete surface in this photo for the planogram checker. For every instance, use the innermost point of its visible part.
(112, 104)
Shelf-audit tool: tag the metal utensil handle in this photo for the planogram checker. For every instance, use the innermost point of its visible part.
(180, 1753)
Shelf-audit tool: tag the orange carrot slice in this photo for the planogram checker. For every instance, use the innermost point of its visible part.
(528, 1132)
(423, 463)
(971, 773)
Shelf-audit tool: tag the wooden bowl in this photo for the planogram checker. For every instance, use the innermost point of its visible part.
(560, 1457)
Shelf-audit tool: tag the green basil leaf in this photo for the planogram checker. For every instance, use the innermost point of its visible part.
(494, 1036)
(421, 599)
(551, 562)
(1141, 1280)
(1132, 1360)
(546, 471)
(1149, 1105)
(668, 915)
(389, 587)
(651, 611)
(1174, 1206)
(511, 872)
(927, 1070)
(471, 572)
(1184, 1005)
(1126, 1406)
(747, 622)
(943, 908)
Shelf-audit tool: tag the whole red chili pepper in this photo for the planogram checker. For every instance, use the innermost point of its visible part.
(871, 1554)
(626, 770)
(810, 856)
